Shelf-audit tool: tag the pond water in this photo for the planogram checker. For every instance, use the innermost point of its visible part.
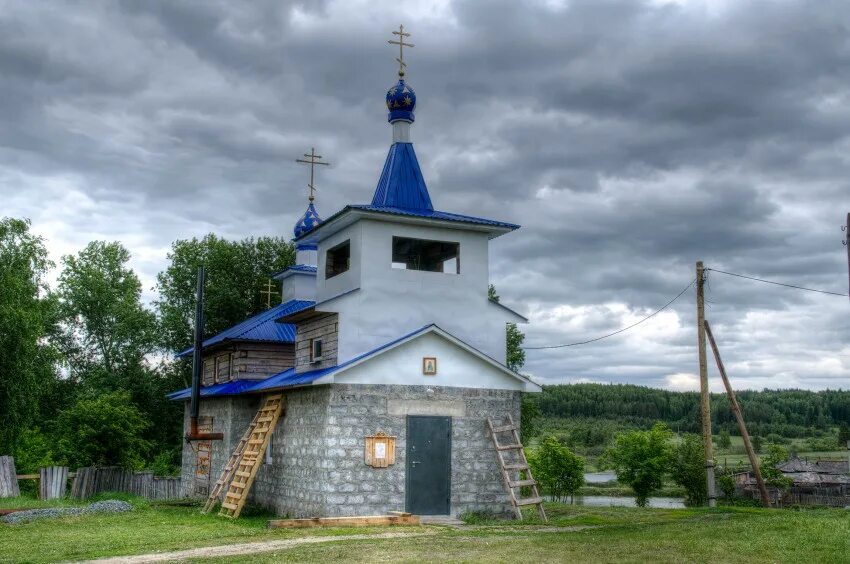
(614, 501)
(600, 477)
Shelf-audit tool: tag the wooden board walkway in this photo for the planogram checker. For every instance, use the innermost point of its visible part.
(358, 521)
(514, 464)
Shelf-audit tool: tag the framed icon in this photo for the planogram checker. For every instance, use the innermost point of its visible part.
(429, 366)
(380, 450)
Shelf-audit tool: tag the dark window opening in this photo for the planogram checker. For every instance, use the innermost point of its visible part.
(338, 259)
(422, 254)
(315, 350)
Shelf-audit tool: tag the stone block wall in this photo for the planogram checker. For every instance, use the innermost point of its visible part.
(231, 417)
(317, 458)
(294, 483)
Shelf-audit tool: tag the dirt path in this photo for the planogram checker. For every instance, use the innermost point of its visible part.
(268, 546)
(246, 548)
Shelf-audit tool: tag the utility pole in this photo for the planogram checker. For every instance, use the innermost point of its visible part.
(705, 398)
(846, 229)
(739, 417)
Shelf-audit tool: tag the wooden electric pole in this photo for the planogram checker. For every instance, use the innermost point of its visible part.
(846, 230)
(739, 417)
(705, 398)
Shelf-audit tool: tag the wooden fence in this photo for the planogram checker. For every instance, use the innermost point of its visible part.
(93, 480)
(8, 478)
(52, 482)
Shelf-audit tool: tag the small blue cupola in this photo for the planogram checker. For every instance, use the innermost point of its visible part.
(401, 185)
(308, 221)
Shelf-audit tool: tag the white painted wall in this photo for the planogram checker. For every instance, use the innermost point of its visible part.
(456, 367)
(299, 286)
(391, 302)
(305, 256)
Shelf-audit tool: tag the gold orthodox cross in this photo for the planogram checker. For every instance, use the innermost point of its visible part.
(314, 160)
(268, 293)
(401, 45)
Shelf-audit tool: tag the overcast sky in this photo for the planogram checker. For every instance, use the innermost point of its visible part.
(629, 139)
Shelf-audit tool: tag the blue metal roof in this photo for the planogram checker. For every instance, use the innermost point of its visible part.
(434, 214)
(302, 268)
(289, 378)
(285, 379)
(401, 184)
(224, 389)
(295, 268)
(261, 327)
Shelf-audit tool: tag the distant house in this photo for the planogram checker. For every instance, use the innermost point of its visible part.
(819, 482)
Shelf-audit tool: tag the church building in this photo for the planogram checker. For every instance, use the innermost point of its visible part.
(387, 352)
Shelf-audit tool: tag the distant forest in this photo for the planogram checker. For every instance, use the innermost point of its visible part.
(787, 413)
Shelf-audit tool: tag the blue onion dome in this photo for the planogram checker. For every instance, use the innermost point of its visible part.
(308, 221)
(401, 100)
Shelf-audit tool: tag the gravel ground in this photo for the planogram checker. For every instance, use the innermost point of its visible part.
(108, 506)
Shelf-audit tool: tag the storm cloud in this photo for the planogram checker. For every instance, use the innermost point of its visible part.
(629, 139)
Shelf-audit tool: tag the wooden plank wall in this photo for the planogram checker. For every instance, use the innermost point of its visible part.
(324, 326)
(52, 482)
(258, 361)
(93, 480)
(247, 361)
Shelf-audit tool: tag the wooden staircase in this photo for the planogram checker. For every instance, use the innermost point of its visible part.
(247, 457)
(229, 468)
(513, 462)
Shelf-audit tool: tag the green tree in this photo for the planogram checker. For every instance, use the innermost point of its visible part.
(236, 274)
(34, 450)
(640, 459)
(843, 434)
(558, 471)
(757, 443)
(106, 430)
(529, 414)
(774, 477)
(107, 330)
(724, 441)
(687, 468)
(26, 319)
(109, 337)
(515, 355)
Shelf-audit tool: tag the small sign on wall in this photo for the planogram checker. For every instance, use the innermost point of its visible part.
(380, 450)
(429, 366)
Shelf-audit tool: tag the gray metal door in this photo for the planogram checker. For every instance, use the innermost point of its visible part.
(429, 464)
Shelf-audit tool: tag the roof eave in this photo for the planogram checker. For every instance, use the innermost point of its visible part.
(348, 215)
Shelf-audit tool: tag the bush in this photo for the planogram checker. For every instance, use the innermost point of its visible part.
(640, 459)
(558, 471)
(687, 468)
(772, 476)
(105, 431)
(724, 441)
(822, 444)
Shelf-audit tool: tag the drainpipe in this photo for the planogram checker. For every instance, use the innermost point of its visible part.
(197, 366)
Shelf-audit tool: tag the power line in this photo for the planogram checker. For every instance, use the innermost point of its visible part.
(777, 283)
(648, 317)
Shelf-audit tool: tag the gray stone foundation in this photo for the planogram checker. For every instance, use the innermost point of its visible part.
(317, 453)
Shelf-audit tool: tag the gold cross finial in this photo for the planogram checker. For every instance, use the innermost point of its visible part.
(401, 45)
(268, 293)
(314, 160)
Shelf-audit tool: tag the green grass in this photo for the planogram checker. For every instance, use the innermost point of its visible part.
(618, 534)
(621, 535)
(150, 527)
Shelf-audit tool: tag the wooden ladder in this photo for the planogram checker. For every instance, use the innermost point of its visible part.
(248, 462)
(518, 465)
(230, 467)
